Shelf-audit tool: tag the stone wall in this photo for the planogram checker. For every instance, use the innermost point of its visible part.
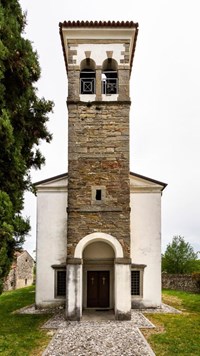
(10, 282)
(21, 272)
(24, 270)
(98, 159)
(182, 282)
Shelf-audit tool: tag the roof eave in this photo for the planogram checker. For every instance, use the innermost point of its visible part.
(98, 25)
(164, 185)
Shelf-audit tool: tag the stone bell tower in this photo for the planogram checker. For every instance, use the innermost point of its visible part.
(98, 58)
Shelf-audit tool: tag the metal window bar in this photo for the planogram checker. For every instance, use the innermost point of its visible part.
(87, 85)
(135, 282)
(110, 86)
(61, 283)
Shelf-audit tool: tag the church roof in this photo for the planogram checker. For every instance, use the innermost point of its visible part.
(132, 174)
(151, 180)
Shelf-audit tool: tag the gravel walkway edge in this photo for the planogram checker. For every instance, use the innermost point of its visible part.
(95, 338)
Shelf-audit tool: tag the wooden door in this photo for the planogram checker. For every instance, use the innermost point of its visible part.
(98, 283)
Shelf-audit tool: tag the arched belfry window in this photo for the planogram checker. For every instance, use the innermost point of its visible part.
(87, 76)
(109, 77)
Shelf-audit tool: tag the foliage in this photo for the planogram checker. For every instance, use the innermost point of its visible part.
(23, 118)
(6, 235)
(21, 334)
(179, 257)
(197, 265)
(173, 335)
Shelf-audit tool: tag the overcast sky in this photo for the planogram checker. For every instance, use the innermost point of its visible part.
(165, 94)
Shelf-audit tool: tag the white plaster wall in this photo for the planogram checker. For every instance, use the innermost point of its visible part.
(91, 97)
(87, 97)
(74, 292)
(98, 52)
(51, 242)
(146, 242)
(122, 289)
(98, 249)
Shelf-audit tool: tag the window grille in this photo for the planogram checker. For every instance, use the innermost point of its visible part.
(61, 283)
(109, 82)
(135, 282)
(87, 82)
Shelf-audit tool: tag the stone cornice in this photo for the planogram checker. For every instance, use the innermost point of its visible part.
(90, 103)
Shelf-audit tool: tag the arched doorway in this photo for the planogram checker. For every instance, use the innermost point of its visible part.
(98, 276)
(98, 252)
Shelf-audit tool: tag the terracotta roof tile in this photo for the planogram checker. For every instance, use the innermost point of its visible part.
(98, 24)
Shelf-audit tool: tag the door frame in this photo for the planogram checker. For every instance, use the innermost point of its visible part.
(101, 266)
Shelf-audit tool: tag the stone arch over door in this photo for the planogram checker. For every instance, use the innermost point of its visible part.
(98, 252)
(120, 268)
(98, 236)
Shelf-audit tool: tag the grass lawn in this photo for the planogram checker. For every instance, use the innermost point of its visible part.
(20, 334)
(176, 334)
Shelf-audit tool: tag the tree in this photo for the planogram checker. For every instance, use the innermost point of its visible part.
(23, 118)
(179, 257)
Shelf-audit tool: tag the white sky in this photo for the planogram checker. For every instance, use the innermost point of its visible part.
(165, 93)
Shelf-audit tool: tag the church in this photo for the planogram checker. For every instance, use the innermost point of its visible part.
(99, 225)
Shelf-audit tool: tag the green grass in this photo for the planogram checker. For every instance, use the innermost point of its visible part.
(177, 334)
(20, 334)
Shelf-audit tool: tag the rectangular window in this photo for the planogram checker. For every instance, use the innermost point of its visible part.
(98, 194)
(61, 283)
(135, 282)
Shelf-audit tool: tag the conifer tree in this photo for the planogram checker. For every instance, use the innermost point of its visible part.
(23, 118)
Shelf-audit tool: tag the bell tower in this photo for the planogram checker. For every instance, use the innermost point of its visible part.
(98, 58)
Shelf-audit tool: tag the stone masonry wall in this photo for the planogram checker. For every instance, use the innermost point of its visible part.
(98, 158)
(182, 282)
(21, 272)
(10, 282)
(25, 264)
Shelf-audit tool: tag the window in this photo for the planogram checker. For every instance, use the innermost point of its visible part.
(109, 77)
(87, 76)
(98, 194)
(137, 273)
(60, 283)
(135, 283)
(25, 282)
(87, 82)
(109, 82)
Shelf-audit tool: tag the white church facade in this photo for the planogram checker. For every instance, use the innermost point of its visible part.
(98, 226)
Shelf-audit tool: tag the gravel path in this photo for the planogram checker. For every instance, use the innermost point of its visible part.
(103, 338)
(94, 338)
(106, 338)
